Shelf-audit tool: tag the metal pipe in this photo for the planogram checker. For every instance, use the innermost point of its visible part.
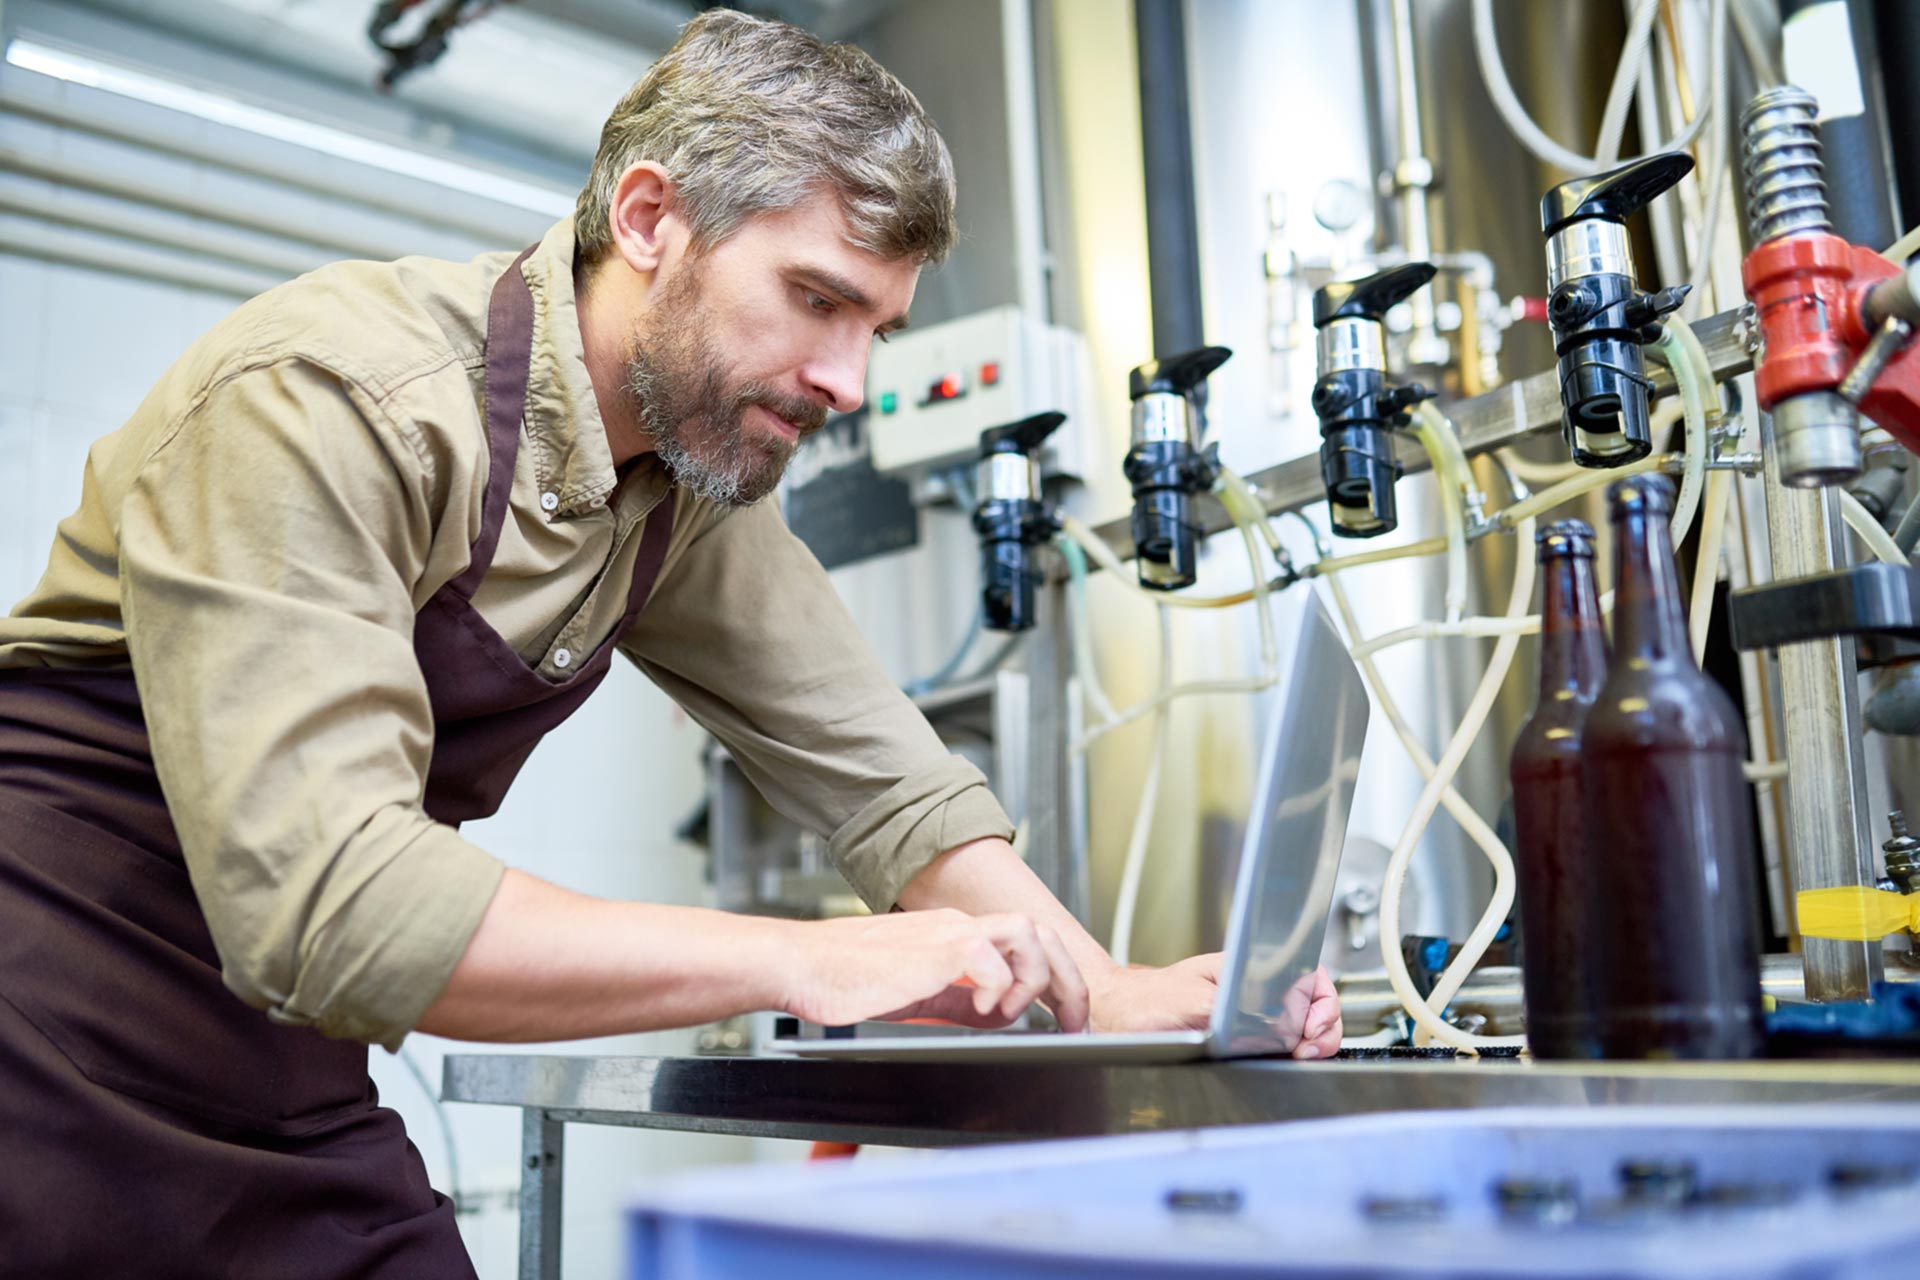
(141, 223)
(39, 98)
(1166, 146)
(1412, 177)
(1828, 841)
(33, 238)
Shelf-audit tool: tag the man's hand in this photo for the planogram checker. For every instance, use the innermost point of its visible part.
(977, 971)
(1181, 997)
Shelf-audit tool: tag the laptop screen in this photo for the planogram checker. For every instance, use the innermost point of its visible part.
(1296, 828)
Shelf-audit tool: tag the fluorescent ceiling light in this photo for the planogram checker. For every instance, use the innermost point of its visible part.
(218, 109)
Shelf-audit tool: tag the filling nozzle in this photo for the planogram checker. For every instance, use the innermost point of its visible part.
(1013, 519)
(1356, 405)
(1169, 463)
(1600, 317)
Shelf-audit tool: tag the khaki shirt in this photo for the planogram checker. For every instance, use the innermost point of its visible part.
(257, 539)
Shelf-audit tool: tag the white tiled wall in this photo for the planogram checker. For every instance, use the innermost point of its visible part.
(78, 349)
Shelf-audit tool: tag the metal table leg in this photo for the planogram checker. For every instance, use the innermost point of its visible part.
(542, 1145)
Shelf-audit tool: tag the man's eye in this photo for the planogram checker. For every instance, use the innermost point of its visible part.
(820, 304)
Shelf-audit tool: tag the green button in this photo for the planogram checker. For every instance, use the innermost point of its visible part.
(889, 402)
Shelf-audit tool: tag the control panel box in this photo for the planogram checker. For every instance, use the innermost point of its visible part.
(932, 391)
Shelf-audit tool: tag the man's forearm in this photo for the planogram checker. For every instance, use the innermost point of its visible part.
(548, 964)
(987, 876)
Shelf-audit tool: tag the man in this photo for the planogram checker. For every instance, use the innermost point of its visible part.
(360, 548)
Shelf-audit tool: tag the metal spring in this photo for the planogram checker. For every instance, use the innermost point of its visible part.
(1786, 193)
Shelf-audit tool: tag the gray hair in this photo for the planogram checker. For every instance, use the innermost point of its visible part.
(751, 116)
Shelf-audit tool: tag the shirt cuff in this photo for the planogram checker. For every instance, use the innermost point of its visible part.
(884, 846)
(387, 955)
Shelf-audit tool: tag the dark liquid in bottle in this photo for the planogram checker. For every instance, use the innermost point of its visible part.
(1549, 814)
(1670, 851)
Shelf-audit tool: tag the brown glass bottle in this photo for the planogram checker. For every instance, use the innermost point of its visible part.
(1549, 816)
(1677, 972)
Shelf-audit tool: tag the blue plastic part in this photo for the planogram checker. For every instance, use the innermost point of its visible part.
(1772, 1193)
(1893, 1013)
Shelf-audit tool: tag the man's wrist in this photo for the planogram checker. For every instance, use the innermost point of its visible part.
(778, 960)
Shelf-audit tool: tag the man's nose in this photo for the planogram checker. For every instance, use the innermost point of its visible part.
(839, 378)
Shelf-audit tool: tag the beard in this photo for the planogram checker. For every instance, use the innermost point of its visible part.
(694, 411)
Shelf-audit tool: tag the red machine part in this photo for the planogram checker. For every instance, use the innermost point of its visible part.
(1810, 290)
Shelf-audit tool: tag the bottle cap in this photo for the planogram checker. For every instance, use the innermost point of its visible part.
(1646, 494)
(1565, 538)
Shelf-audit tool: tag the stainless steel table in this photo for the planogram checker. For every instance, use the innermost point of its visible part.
(919, 1105)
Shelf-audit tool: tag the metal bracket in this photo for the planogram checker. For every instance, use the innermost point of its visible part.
(1862, 599)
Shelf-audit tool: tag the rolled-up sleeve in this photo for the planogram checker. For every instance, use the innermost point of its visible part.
(747, 633)
(268, 552)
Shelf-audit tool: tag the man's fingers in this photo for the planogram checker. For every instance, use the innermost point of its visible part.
(990, 974)
(1019, 943)
(1068, 993)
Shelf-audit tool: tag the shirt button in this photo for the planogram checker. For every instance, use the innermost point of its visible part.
(562, 658)
(549, 501)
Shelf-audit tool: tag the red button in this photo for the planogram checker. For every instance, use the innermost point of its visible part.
(989, 374)
(949, 388)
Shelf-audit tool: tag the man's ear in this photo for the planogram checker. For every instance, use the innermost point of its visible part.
(643, 216)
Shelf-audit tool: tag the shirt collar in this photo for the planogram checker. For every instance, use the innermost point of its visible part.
(571, 458)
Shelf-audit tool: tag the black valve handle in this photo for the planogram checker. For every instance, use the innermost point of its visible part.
(1021, 437)
(1178, 375)
(1371, 298)
(1615, 195)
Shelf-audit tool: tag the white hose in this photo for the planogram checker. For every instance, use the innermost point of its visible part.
(1634, 54)
(1379, 555)
(1080, 621)
(1426, 1013)
(1693, 374)
(1871, 531)
(1506, 518)
(1101, 554)
(1525, 626)
(1713, 157)
(1135, 868)
(1486, 42)
(1567, 490)
(1439, 790)
(1248, 519)
(1759, 36)
(1457, 807)
(1450, 469)
(1538, 472)
(1903, 248)
(1234, 488)
(1706, 566)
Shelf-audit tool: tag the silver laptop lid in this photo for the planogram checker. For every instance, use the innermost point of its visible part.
(1296, 828)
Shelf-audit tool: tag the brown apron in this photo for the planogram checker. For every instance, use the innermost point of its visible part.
(151, 1124)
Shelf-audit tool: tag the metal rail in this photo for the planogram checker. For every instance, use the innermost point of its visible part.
(1526, 407)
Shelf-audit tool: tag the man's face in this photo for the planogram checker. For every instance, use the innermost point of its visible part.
(744, 350)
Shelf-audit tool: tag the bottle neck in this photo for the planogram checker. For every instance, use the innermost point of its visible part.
(1649, 621)
(1573, 647)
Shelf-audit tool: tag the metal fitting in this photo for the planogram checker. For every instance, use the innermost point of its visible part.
(1786, 186)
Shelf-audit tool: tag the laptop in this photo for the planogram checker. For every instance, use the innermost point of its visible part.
(1282, 896)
